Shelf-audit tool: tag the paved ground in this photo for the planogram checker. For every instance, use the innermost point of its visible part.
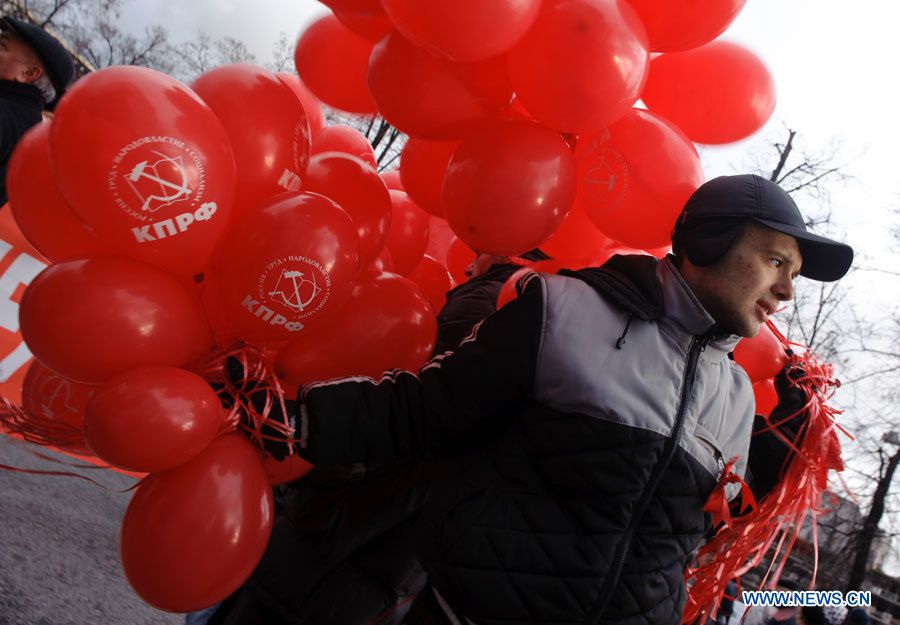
(59, 560)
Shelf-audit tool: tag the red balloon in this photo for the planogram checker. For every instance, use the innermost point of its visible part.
(408, 236)
(583, 64)
(332, 61)
(431, 98)
(423, 165)
(344, 139)
(387, 324)
(465, 30)
(434, 280)
(51, 396)
(40, 210)
(119, 315)
(577, 240)
(440, 236)
(382, 263)
(372, 28)
(271, 150)
(635, 177)
(766, 397)
(152, 419)
(459, 257)
(508, 187)
(761, 356)
(718, 93)
(392, 180)
(508, 290)
(192, 535)
(146, 165)
(310, 103)
(674, 25)
(285, 471)
(359, 190)
(290, 264)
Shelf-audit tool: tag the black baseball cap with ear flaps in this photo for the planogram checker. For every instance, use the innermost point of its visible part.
(56, 59)
(718, 210)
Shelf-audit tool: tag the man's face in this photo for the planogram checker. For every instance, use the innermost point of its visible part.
(18, 61)
(482, 263)
(746, 286)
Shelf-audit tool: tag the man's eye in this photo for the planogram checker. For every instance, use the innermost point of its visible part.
(777, 262)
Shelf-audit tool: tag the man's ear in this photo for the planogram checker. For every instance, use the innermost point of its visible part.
(32, 73)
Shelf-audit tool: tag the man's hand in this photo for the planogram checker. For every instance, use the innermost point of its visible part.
(260, 397)
(770, 455)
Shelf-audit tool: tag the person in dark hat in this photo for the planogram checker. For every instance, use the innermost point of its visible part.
(587, 421)
(35, 70)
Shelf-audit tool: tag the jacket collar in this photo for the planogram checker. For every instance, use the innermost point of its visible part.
(685, 310)
(30, 94)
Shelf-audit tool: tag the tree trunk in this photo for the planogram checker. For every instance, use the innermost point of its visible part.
(870, 527)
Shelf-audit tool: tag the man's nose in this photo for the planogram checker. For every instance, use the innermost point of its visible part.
(784, 289)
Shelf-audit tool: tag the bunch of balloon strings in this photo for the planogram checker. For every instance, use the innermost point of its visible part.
(744, 540)
(242, 377)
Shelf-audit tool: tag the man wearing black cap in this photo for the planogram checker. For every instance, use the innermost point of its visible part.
(588, 421)
(35, 69)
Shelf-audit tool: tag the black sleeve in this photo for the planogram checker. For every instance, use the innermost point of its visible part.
(461, 313)
(769, 455)
(469, 394)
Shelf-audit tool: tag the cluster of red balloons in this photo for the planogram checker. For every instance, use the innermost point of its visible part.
(494, 94)
(181, 222)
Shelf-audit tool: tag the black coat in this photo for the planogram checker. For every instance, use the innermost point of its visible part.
(588, 424)
(20, 109)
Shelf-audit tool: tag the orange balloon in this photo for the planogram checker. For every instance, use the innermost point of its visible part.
(152, 419)
(387, 324)
(491, 204)
(192, 535)
(635, 177)
(271, 150)
(146, 165)
(119, 315)
(41, 212)
(332, 61)
(718, 93)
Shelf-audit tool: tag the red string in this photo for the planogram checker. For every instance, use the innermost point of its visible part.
(743, 542)
(258, 382)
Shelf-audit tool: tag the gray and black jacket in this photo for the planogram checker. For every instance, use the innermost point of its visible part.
(588, 421)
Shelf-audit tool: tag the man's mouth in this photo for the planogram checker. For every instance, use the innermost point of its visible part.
(766, 307)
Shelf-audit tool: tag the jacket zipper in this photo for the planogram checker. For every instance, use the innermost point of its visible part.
(698, 344)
